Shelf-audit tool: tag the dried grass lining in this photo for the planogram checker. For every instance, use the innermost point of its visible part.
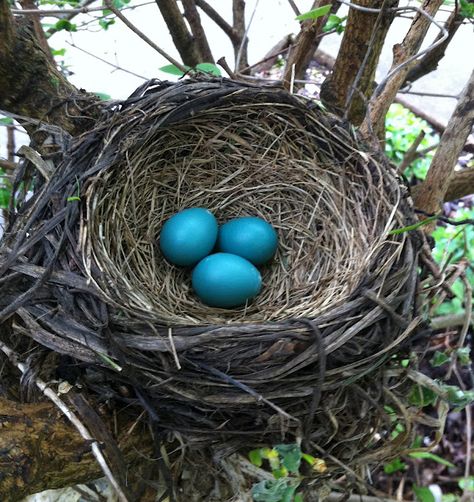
(307, 357)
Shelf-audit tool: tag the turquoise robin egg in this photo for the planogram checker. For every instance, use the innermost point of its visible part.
(188, 236)
(250, 237)
(226, 280)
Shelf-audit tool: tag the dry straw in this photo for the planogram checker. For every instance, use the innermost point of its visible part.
(311, 357)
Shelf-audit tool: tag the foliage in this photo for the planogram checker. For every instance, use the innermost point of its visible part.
(402, 129)
(466, 9)
(209, 68)
(315, 13)
(284, 461)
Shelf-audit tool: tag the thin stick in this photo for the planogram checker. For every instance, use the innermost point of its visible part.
(71, 416)
(106, 62)
(411, 154)
(244, 37)
(62, 12)
(150, 42)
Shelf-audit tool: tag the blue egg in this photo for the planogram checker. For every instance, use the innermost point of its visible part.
(188, 236)
(250, 237)
(226, 280)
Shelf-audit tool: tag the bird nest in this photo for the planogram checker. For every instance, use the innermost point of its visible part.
(308, 357)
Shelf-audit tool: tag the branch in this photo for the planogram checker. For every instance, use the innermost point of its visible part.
(350, 85)
(39, 32)
(30, 84)
(305, 46)
(192, 15)
(140, 34)
(241, 41)
(429, 62)
(182, 39)
(218, 19)
(404, 55)
(433, 190)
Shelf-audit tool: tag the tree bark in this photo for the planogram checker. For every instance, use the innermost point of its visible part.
(433, 190)
(192, 15)
(40, 449)
(429, 62)
(305, 46)
(31, 86)
(358, 55)
(241, 40)
(182, 39)
(373, 124)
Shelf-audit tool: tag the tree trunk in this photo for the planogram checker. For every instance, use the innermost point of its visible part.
(40, 449)
(374, 121)
(305, 46)
(358, 57)
(31, 86)
(433, 190)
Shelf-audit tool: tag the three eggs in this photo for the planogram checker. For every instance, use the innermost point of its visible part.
(229, 277)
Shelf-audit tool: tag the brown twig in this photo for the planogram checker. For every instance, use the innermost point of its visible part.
(218, 19)
(200, 39)
(113, 65)
(144, 37)
(411, 154)
(433, 190)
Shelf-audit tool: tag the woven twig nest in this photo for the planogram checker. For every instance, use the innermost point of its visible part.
(306, 358)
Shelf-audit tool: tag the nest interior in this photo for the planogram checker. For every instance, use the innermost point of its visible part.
(83, 275)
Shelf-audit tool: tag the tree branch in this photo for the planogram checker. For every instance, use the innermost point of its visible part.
(192, 15)
(182, 39)
(241, 41)
(30, 84)
(218, 19)
(402, 54)
(39, 32)
(305, 45)
(433, 190)
(350, 85)
(429, 62)
(39, 450)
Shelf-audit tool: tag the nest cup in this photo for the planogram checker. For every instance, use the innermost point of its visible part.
(306, 358)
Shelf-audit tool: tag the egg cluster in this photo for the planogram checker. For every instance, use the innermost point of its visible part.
(224, 258)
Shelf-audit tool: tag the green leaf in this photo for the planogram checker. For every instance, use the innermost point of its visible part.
(5, 195)
(288, 495)
(173, 70)
(314, 14)
(281, 472)
(415, 226)
(467, 484)
(6, 121)
(421, 396)
(458, 397)
(58, 52)
(430, 456)
(439, 358)
(334, 23)
(308, 458)
(464, 356)
(395, 465)
(467, 9)
(298, 497)
(255, 457)
(270, 490)
(291, 456)
(105, 23)
(103, 96)
(209, 68)
(64, 24)
(423, 494)
(449, 497)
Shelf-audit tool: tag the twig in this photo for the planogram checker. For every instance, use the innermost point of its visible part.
(62, 12)
(244, 37)
(429, 94)
(218, 19)
(294, 7)
(222, 62)
(117, 67)
(71, 416)
(139, 33)
(7, 165)
(411, 153)
(448, 321)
